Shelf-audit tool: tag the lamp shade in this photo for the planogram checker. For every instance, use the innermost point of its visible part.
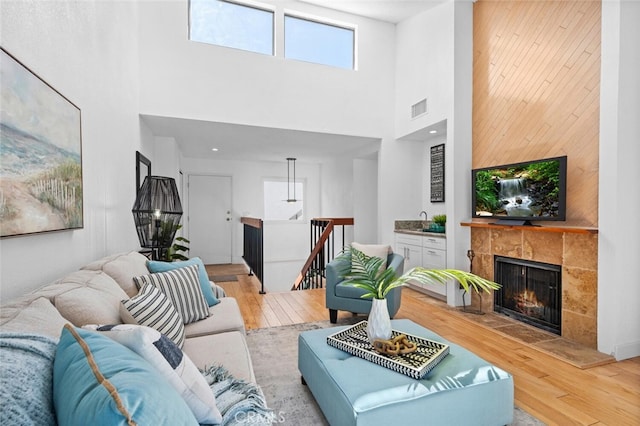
(156, 213)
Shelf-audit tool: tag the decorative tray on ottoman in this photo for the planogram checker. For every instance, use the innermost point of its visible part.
(416, 364)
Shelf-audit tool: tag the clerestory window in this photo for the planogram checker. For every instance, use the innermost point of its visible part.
(319, 42)
(250, 26)
(228, 24)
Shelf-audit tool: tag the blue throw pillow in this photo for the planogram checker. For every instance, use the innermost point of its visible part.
(205, 285)
(97, 381)
(172, 364)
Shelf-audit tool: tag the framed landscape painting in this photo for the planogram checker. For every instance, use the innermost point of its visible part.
(40, 154)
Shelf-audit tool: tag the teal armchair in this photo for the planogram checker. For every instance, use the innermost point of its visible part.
(343, 297)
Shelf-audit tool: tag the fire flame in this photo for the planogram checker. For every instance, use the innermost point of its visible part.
(528, 300)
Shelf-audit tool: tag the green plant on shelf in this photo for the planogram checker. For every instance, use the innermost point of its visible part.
(440, 219)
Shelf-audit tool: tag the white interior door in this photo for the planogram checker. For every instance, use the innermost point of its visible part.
(210, 222)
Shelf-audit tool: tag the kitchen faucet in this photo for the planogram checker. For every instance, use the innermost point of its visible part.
(424, 213)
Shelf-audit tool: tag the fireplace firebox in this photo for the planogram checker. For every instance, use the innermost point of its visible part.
(531, 292)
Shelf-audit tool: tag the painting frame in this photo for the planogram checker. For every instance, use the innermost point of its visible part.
(143, 170)
(437, 173)
(41, 176)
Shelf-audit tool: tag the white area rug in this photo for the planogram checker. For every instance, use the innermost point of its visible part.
(274, 352)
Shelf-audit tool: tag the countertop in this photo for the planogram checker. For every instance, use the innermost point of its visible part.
(418, 232)
(415, 227)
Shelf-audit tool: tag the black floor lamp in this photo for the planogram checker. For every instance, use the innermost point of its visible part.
(156, 213)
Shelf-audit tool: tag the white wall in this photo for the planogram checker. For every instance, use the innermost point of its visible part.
(147, 143)
(459, 146)
(618, 227)
(86, 51)
(336, 188)
(207, 82)
(399, 184)
(365, 201)
(424, 60)
(167, 158)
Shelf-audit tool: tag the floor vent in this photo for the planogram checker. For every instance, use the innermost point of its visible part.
(419, 108)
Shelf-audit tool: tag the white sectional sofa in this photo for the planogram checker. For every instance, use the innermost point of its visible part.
(93, 295)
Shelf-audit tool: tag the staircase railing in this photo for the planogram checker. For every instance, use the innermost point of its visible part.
(323, 250)
(253, 247)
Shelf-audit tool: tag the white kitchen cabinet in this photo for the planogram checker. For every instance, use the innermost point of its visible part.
(410, 247)
(426, 251)
(434, 256)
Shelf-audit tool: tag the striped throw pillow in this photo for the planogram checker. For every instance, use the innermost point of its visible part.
(152, 308)
(182, 288)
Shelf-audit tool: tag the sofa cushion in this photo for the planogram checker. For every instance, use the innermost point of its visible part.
(182, 287)
(37, 315)
(203, 277)
(89, 297)
(227, 349)
(159, 351)
(349, 291)
(99, 381)
(151, 307)
(122, 268)
(225, 316)
(26, 379)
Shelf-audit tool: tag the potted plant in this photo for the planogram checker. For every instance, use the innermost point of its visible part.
(175, 252)
(178, 248)
(438, 223)
(370, 274)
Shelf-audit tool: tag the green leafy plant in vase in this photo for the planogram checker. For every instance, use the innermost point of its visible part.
(438, 223)
(371, 275)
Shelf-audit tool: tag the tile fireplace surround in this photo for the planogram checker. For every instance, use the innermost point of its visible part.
(574, 249)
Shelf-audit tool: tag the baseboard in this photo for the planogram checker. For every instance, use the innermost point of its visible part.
(626, 351)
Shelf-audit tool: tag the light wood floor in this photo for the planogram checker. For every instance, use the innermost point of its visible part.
(553, 391)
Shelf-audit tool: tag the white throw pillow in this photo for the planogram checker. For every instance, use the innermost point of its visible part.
(151, 307)
(182, 287)
(172, 363)
(374, 250)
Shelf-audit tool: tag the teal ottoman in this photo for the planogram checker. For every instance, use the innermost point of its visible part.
(462, 389)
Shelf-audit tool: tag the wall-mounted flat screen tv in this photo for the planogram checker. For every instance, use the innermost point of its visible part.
(523, 192)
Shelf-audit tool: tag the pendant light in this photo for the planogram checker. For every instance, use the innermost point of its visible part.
(291, 163)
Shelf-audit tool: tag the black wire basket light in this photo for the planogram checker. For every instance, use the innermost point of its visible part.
(156, 213)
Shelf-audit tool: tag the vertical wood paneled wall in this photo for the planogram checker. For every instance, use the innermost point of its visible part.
(536, 91)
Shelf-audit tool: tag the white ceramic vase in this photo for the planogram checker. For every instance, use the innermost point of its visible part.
(379, 323)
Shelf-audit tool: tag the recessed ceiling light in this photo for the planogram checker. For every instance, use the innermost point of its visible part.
(214, 149)
(433, 131)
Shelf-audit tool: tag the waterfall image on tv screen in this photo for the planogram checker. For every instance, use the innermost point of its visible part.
(532, 190)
